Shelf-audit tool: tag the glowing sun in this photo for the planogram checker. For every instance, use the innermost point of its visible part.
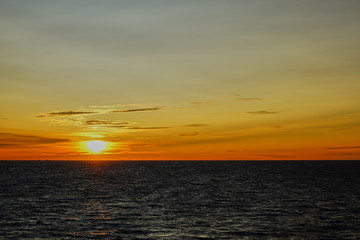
(96, 146)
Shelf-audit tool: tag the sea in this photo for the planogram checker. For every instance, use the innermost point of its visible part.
(180, 200)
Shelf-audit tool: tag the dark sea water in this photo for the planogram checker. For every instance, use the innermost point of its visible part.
(179, 200)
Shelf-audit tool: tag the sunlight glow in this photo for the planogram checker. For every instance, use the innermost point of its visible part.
(96, 146)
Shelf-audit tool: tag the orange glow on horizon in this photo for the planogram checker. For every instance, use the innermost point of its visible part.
(141, 83)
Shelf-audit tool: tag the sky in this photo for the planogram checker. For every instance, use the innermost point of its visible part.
(180, 80)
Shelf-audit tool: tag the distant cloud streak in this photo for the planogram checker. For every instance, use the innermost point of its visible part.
(97, 122)
(261, 112)
(106, 123)
(189, 134)
(70, 113)
(203, 102)
(67, 113)
(137, 110)
(196, 125)
(6, 144)
(7, 139)
(147, 128)
(342, 148)
(248, 99)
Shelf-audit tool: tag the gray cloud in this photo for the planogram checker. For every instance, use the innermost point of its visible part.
(147, 128)
(262, 112)
(97, 122)
(196, 125)
(280, 156)
(189, 134)
(6, 144)
(140, 145)
(66, 113)
(97, 111)
(106, 123)
(341, 148)
(137, 110)
(7, 139)
(248, 99)
(203, 102)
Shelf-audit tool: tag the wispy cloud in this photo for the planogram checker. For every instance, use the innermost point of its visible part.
(196, 125)
(140, 145)
(79, 117)
(342, 148)
(248, 99)
(137, 110)
(99, 110)
(147, 128)
(189, 134)
(6, 144)
(105, 123)
(239, 99)
(7, 139)
(203, 102)
(97, 122)
(262, 112)
(280, 156)
(66, 113)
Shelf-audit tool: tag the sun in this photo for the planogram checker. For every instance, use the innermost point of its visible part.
(96, 146)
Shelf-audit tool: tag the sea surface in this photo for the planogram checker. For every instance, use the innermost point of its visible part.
(179, 200)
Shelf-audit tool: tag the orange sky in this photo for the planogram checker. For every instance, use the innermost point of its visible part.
(180, 80)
